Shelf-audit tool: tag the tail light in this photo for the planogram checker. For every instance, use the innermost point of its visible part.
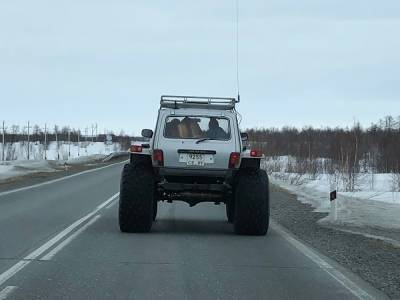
(158, 157)
(234, 159)
(255, 153)
(136, 148)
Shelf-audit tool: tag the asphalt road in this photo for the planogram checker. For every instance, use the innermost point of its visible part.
(61, 241)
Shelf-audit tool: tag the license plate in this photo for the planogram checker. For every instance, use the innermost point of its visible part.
(192, 159)
(195, 160)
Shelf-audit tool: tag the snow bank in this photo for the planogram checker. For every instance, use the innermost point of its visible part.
(22, 167)
(378, 187)
(72, 154)
(352, 211)
(60, 151)
(374, 204)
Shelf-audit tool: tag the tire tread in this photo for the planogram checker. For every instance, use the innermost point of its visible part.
(136, 198)
(251, 203)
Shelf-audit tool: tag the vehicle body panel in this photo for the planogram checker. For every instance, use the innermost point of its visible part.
(216, 152)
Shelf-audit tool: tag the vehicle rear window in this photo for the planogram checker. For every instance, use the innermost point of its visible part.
(196, 127)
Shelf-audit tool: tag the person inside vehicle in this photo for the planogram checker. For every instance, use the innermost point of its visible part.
(184, 129)
(189, 128)
(171, 129)
(195, 128)
(215, 131)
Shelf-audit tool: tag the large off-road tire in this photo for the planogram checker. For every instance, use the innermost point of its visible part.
(155, 208)
(136, 198)
(230, 208)
(251, 202)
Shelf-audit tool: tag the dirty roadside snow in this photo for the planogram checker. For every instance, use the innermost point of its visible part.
(93, 153)
(372, 210)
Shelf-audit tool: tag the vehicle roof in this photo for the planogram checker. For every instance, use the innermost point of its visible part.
(197, 111)
(213, 103)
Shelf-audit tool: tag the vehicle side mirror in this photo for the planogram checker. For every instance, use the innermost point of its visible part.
(244, 136)
(147, 133)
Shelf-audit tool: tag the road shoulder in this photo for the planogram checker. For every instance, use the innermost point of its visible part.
(375, 261)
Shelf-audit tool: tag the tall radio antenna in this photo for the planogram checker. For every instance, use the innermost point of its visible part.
(237, 51)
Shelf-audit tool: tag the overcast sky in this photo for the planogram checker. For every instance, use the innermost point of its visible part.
(302, 62)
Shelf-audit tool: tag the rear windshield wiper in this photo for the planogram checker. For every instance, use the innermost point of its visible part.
(204, 139)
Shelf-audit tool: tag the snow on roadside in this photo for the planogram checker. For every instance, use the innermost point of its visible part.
(85, 154)
(372, 205)
(10, 169)
(62, 151)
(352, 211)
(85, 159)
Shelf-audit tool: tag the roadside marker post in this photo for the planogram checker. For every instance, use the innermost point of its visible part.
(3, 145)
(58, 150)
(45, 141)
(29, 150)
(69, 142)
(332, 198)
(79, 144)
(86, 136)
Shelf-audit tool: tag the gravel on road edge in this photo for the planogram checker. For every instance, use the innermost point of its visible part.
(373, 260)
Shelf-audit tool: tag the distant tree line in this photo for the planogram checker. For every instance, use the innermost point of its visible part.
(15, 134)
(349, 150)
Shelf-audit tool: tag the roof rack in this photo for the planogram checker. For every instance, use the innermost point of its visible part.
(176, 102)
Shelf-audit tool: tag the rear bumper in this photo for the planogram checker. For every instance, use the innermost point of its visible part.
(221, 173)
(211, 180)
(194, 185)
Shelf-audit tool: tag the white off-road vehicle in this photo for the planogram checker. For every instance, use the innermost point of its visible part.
(196, 154)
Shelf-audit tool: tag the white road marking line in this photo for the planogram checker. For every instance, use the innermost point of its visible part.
(111, 204)
(68, 240)
(107, 202)
(13, 270)
(39, 251)
(7, 291)
(58, 179)
(312, 255)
